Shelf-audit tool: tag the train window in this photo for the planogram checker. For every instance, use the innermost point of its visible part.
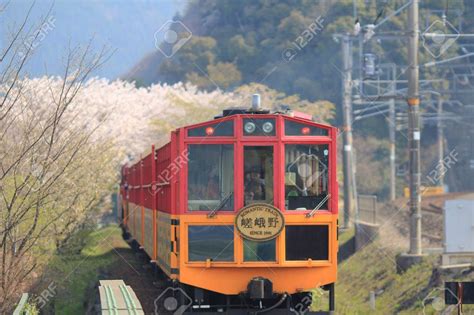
(315, 246)
(222, 129)
(211, 177)
(214, 242)
(306, 176)
(259, 127)
(260, 251)
(293, 128)
(258, 174)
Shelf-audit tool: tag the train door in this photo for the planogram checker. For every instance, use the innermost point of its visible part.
(258, 187)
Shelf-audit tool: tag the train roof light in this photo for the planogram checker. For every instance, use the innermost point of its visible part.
(249, 127)
(267, 127)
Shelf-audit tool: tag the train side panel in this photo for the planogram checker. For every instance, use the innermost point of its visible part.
(147, 195)
(162, 194)
(147, 205)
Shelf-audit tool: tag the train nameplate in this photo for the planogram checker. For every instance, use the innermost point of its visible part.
(259, 222)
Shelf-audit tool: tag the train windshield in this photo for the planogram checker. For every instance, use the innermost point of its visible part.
(306, 176)
(258, 174)
(211, 177)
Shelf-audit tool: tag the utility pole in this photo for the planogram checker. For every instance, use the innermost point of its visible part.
(413, 100)
(347, 126)
(414, 255)
(391, 135)
(440, 139)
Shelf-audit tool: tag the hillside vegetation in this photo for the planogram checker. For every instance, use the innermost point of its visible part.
(288, 45)
(239, 42)
(374, 269)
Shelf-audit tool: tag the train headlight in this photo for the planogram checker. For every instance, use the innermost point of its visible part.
(305, 131)
(267, 127)
(209, 131)
(249, 127)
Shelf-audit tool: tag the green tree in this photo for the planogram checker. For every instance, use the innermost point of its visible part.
(224, 74)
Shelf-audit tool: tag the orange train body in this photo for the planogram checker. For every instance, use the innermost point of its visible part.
(180, 203)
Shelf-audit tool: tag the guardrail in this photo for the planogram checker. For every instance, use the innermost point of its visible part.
(367, 205)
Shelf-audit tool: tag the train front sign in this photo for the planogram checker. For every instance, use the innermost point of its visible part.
(259, 222)
(240, 212)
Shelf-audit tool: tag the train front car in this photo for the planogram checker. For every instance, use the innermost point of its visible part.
(255, 223)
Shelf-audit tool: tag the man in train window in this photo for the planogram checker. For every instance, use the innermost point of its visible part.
(258, 174)
(254, 186)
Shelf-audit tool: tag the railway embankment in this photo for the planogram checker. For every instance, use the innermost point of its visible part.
(368, 282)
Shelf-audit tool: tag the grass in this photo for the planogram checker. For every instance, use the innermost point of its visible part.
(77, 269)
(374, 269)
(346, 236)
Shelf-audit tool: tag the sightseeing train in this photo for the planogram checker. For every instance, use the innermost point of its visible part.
(239, 213)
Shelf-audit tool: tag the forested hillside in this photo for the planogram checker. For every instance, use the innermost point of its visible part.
(239, 42)
(247, 40)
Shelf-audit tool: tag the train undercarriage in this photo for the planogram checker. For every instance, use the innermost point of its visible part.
(183, 299)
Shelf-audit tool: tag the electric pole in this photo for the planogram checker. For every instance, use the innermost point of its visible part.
(347, 126)
(391, 135)
(440, 139)
(413, 101)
